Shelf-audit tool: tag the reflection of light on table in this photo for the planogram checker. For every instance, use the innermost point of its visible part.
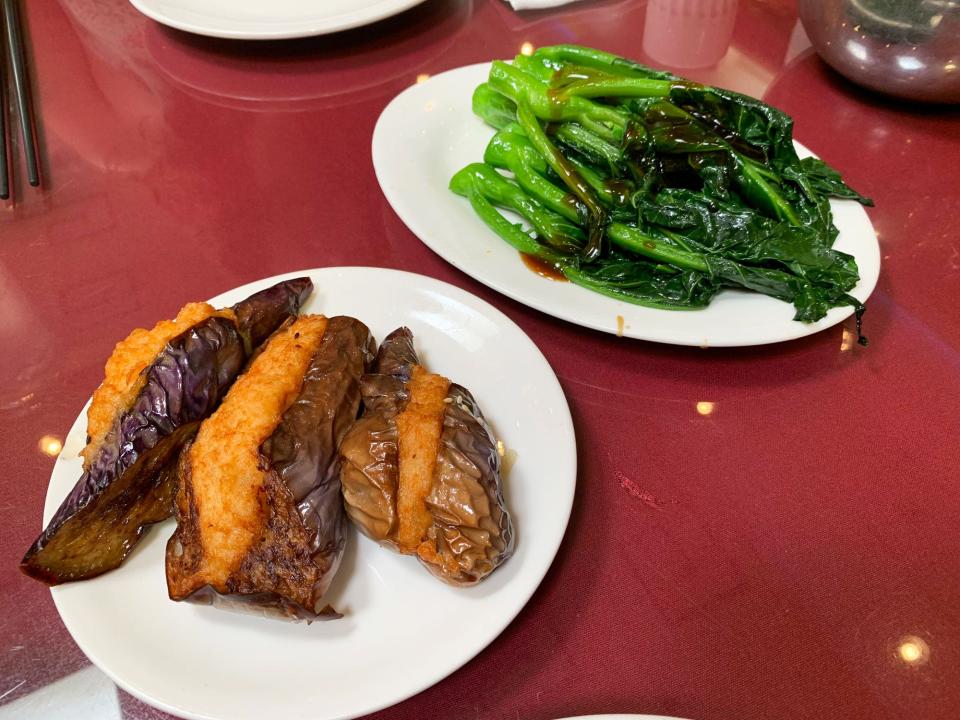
(50, 445)
(83, 695)
(913, 650)
(526, 48)
(705, 408)
(422, 78)
(798, 42)
(738, 71)
(846, 342)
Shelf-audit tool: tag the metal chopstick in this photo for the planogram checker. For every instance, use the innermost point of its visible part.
(4, 129)
(21, 87)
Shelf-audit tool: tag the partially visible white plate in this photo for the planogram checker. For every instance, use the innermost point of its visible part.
(395, 639)
(428, 132)
(272, 20)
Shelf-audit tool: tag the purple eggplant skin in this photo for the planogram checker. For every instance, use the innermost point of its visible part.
(288, 572)
(397, 356)
(472, 532)
(304, 449)
(263, 312)
(129, 482)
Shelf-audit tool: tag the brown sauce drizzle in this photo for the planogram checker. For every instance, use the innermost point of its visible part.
(542, 268)
(737, 142)
(571, 200)
(634, 135)
(573, 180)
(619, 189)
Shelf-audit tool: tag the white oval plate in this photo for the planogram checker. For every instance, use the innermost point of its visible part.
(394, 641)
(428, 132)
(273, 20)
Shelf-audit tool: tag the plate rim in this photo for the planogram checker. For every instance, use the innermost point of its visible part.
(395, 197)
(310, 27)
(563, 406)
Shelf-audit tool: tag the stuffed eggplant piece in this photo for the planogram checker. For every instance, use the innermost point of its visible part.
(260, 522)
(421, 471)
(159, 385)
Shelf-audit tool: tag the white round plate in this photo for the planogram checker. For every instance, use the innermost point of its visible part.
(273, 20)
(428, 132)
(394, 639)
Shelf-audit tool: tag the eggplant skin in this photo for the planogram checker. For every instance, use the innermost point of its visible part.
(397, 356)
(129, 482)
(471, 533)
(370, 471)
(90, 532)
(262, 313)
(304, 449)
(275, 577)
(286, 573)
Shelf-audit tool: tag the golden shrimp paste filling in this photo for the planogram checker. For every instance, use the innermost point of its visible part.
(222, 485)
(419, 427)
(123, 373)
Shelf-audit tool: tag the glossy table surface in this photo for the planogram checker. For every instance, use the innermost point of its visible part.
(757, 533)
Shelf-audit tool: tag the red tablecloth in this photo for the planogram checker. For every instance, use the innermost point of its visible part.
(757, 533)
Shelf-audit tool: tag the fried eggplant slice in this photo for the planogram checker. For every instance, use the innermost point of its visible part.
(260, 522)
(421, 471)
(159, 385)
